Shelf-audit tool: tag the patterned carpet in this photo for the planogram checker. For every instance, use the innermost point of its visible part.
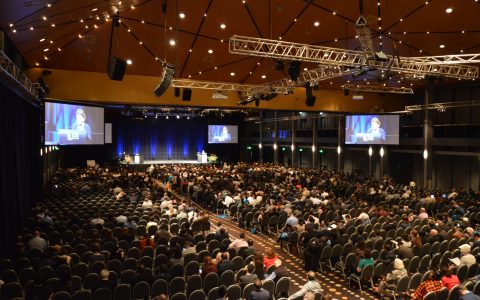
(332, 282)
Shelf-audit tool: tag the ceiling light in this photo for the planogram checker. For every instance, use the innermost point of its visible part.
(178, 117)
(232, 74)
(305, 69)
(172, 42)
(181, 15)
(42, 40)
(132, 7)
(449, 10)
(316, 24)
(45, 50)
(215, 67)
(129, 61)
(264, 76)
(11, 25)
(49, 5)
(53, 25)
(94, 9)
(442, 46)
(59, 49)
(223, 26)
(44, 18)
(210, 51)
(31, 28)
(37, 64)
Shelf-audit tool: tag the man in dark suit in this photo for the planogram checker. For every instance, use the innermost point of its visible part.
(225, 264)
(249, 277)
(259, 293)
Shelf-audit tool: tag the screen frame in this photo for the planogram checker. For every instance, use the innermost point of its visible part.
(371, 114)
(72, 102)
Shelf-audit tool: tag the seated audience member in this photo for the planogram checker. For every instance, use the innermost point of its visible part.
(98, 220)
(270, 258)
(145, 241)
(249, 277)
(147, 203)
(259, 293)
(366, 260)
(37, 242)
(311, 286)
(239, 243)
(278, 272)
(465, 294)
(388, 286)
(432, 284)
(208, 266)
(224, 264)
(105, 280)
(467, 258)
(449, 280)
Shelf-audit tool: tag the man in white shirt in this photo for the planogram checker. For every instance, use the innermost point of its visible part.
(228, 200)
(239, 243)
(312, 286)
(98, 220)
(147, 203)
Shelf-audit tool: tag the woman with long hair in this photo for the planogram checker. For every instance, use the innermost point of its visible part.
(269, 258)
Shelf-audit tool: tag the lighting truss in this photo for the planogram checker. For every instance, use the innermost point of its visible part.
(16, 79)
(227, 86)
(377, 89)
(442, 106)
(328, 56)
(365, 37)
(448, 59)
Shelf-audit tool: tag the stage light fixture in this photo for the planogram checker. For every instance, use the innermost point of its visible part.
(279, 65)
(294, 69)
(360, 72)
(380, 56)
(165, 79)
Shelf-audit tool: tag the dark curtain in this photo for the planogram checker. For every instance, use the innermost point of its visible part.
(20, 163)
(162, 139)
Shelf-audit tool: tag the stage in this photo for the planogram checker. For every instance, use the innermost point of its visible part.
(171, 162)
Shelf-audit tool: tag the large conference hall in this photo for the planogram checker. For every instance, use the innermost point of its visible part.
(239, 149)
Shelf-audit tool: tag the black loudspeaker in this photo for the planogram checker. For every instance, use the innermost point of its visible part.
(187, 94)
(310, 99)
(294, 69)
(176, 92)
(346, 92)
(117, 68)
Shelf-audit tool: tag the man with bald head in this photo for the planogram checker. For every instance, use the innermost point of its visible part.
(311, 286)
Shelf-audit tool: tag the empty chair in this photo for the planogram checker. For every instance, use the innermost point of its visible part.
(192, 268)
(147, 261)
(210, 281)
(130, 264)
(179, 296)
(413, 266)
(415, 281)
(347, 264)
(159, 286)
(454, 293)
(234, 292)
(115, 265)
(194, 283)
(62, 295)
(401, 286)
(128, 276)
(80, 269)
(430, 296)
(462, 272)
(476, 288)
(227, 278)
(238, 263)
(91, 281)
(26, 275)
(122, 292)
(442, 294)
(96, 267)
(213, 294)
(141, 290)
(269, 285)
(12, 290)
(82, 295)
(102, 294)
(366, 274)
(282, 287)
(177, 285)
(197, 295)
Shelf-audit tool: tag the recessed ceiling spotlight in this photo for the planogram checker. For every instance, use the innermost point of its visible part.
(31, 28)
(49, 5)
(264, 76)
(44, 18)
(42, 40)
(316, 24)
(181, 15)
(232, 74)
(442, 46)
(45, 50)
(172, 42)
(223, 26)
(305, 69)
(449, 10)
(210, 51)
(94, 9)
(129, 61)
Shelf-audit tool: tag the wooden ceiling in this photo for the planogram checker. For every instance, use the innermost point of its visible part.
(75, 34)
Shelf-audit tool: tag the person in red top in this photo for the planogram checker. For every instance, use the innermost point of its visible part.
(449, 280)
(269, 258)
(146, 241)
(432, 284)
(208, 266)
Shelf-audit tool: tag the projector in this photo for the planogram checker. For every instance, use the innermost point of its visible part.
(219, 96)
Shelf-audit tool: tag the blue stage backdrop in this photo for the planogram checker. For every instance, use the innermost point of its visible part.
(161, 139)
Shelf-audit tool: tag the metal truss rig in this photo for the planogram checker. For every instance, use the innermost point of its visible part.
(377, 89)
(327, 56)
(443, 106)
(16, 79)
(226, 86)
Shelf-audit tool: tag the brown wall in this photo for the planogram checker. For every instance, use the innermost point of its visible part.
(97, 87)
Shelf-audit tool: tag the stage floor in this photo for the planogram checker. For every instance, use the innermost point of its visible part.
(169, 162)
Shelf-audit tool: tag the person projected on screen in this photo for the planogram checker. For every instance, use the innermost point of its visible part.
(375, 132)
(224, 136)
(81, 127)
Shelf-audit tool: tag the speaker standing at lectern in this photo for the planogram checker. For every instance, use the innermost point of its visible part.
(81, 127)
